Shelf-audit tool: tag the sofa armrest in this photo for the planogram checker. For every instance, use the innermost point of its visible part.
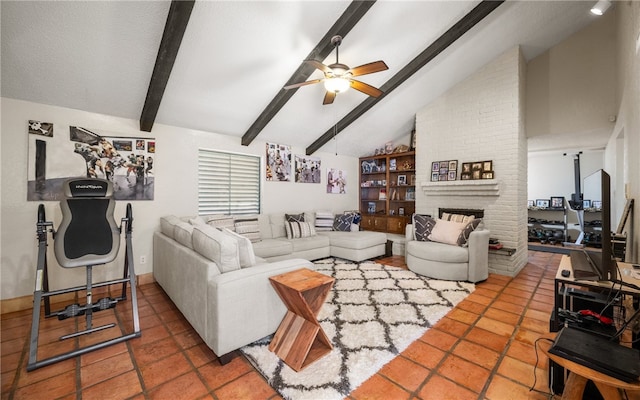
(408, 232)
(243, 306)
(479, 255)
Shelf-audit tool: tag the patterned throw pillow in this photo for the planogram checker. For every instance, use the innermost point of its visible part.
(343, 222)
(357, 216)
(297, 230)
(294, 217)
(463, 239)
(422, 227)
(457, 217)
(219, 221)
(324, 221)
(248, 226)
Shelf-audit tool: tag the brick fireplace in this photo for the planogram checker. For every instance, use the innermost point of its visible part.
(480, 119)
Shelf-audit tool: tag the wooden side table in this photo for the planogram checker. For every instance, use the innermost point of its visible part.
(300, 340)
(579, 375)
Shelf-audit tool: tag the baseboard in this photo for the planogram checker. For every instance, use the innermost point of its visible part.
(26, 302)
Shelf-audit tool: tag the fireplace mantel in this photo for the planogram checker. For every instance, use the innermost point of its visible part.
(482, 187)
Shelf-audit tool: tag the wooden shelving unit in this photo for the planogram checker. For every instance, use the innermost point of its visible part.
(387, 191)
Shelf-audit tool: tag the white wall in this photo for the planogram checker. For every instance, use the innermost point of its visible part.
(175, 188)
(571, 89)
(479, 119)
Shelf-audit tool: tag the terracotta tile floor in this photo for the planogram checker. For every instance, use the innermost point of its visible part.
(483, 349)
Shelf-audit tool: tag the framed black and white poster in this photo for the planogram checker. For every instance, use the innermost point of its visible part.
(127, 162)
(307, 169)
(278, 162)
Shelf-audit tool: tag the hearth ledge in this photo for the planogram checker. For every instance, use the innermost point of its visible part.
(483, 187)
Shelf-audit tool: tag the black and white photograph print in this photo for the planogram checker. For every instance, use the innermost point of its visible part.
(307, 169)
(435, 166)
(336, 181)
(40, 128)
(435, 176)
(278, 162)
(91, 154)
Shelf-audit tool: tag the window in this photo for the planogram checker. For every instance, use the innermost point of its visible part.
(228, 183)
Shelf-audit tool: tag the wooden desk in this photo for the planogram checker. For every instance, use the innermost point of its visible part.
(579, 375)
(300, 339)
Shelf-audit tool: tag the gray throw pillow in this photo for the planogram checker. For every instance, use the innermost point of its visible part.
(464, 235)
(294, 217)
(343, 222)
(422, 226)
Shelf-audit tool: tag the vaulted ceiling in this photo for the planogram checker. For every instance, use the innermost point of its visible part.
(235, 58)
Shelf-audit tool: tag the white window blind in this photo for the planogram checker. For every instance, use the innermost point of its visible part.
(228, 183)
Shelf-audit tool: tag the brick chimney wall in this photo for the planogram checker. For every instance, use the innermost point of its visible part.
(481, 118)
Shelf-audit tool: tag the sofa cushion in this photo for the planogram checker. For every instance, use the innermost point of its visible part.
(324, 221)
(434, 251)
(463, 239)
(343, 222)
(167, 224)
(423, 225)
(217, 247)
(355, 241)
(220, 221)
(310, 243)
(182, 233)
(446, 231)
(246, 255)
(297, 230)
(267, 248)
(248, 226)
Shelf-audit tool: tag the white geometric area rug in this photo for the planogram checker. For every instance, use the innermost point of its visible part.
(371, 315)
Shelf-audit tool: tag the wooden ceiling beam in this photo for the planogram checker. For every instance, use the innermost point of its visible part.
(354, 12)
(438, 46)
(174, 28)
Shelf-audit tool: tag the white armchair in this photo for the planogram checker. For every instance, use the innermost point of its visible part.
(447, 261)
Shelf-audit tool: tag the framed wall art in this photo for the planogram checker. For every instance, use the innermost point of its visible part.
(557, 202)
(278, 162)
(127, 162)
(542, 203)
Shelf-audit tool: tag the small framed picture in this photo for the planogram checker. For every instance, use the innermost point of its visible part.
(452, 175)
(586, 203)
(442, 177)
(557, 202)
(392, 164)
(487, 175)
(401, 211)
(476, 166)
(530, 203)
(453, 165)
(487, 166)
(475, 174)
(435, 166)
(465, 176)
(443, 170)
(434, 176)
(542, 203)
(444, 165)
(402, 180)
(466, 167)
(597, 204)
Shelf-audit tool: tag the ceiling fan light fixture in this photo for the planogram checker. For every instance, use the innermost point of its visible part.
(337, 84)
(601, 7)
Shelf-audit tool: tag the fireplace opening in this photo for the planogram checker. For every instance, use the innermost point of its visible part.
(463, 211)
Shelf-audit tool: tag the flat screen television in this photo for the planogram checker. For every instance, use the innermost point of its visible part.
(597, 186)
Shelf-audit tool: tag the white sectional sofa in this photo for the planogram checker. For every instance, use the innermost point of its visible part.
(228, 300)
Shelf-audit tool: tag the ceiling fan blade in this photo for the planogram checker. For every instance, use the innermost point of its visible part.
(365, 88)
(370, 68)
(329, 97)
(318, 65)
(297, 85)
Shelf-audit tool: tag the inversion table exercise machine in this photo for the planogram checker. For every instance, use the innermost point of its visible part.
(87, 236)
